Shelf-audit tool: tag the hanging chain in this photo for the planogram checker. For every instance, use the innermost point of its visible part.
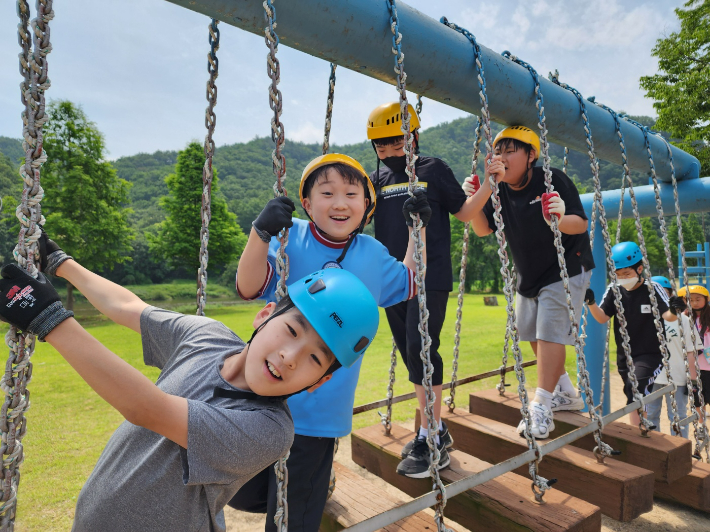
(35, 46)
(700, 432)
(418, 107)
(207, 173)
(329, 109)
(645, 425)
(669, 262)
(331, 484)
(386, 419)
(420, 271)
(273, 70)
(564, 160)
(602, 450)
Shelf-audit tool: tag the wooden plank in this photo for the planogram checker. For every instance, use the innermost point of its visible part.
(669, 457)
(622, 491)
(505, 503)
(356, 499)
(692, 490)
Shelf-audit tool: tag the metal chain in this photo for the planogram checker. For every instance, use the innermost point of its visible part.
(432, 424)
(329, 109)
(669, 263)
(273, 70)
(700, 432)
(331, 485)
(207, 173)
(645, 425)
(386, 419)
(418, 107)
(564, 160)
(18, 369)
(602, 449)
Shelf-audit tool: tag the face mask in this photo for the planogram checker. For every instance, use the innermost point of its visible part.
(628, 283)
(396, 164)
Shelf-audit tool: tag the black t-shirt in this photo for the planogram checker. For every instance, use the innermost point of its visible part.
(445, 196)
(639, 319)
(530, 239)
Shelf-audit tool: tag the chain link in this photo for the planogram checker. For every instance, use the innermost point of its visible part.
(386, 418)
(35, 46)
(273, 70)
(329, 109)
(420, 271)
(564, 160)
(207, 173)
(418, 107)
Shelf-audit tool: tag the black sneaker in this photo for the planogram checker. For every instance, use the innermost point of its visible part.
(444, 436)
(416, 464)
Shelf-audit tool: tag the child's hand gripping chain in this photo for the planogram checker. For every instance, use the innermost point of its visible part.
(277, 215)
(552, 204)
(471, 185)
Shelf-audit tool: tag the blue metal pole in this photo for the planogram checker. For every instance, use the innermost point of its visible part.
(356, 35)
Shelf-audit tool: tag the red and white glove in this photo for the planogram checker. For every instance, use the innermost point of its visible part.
(471, 185)
(552, 204)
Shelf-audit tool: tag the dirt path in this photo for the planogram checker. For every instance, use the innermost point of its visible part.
(664, 517)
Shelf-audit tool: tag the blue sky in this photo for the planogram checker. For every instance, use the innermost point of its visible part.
(138, 66)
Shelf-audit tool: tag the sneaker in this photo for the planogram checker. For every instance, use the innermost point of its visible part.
(444, 437)
(542, 423)
(416, 464)
(566, 401)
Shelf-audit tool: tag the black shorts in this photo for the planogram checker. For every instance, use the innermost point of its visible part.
(646, 369)
(404, 323)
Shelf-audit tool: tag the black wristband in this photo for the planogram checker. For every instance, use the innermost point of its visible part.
(55, 260)
(48, 319)
(264, 235)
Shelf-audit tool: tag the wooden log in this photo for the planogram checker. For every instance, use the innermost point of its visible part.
(692, 490)
(669, 457)
(356, 499)
(505, 503)
(622, 491)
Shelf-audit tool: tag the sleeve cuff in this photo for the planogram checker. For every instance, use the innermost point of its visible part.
(269, 276)
(412, 285)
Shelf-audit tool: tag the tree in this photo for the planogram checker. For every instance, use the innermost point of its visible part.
(483, 264)
(681, 88)
(85, 202)
(178, 237)
(692, 236)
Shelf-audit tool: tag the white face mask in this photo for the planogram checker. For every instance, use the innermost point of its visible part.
(628, 283)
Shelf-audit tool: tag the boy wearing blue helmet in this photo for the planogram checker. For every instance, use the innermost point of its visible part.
(636, 302)
(217, 414)
(677, 365)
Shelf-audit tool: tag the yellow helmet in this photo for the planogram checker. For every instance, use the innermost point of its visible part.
(694, 289)
(385, 121)
(521, 133)
(332, 158)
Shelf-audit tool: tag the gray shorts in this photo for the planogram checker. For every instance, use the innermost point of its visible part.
(546, 317)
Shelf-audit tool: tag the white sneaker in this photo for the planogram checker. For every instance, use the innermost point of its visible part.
(542, 423)
(566, 401)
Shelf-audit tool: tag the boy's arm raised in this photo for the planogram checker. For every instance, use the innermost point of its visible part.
(253, 266)
(34, 306)
(472, 210)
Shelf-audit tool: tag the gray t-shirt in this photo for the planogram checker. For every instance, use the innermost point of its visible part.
(143, 481)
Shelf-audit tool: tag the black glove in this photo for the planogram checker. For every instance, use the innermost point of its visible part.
(277, 215)
(51, 256)
(589, 297)
(417, 204)
(677, 305)
(32, 305)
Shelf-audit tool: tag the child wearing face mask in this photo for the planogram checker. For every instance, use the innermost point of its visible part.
(636, 301)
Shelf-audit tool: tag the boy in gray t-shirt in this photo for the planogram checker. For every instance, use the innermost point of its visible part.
(217, 414)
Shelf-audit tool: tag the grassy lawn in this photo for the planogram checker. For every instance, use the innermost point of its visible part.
(69, 424)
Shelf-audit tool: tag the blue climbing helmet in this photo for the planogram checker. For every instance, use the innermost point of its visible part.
(626, 254)
(341, 310)
(663, 281)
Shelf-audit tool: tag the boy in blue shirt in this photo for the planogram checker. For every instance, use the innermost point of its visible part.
(339, 198)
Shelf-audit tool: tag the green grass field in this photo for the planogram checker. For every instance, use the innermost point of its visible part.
(68, 424)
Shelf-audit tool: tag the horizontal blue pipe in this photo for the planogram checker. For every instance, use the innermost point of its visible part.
(693, 196)
(356, 35)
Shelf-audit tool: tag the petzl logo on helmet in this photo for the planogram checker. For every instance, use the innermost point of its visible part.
(13, 291)
(337, 319)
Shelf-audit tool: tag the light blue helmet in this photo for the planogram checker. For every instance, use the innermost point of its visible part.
(626, 254)
(341, 310)
(663, 281)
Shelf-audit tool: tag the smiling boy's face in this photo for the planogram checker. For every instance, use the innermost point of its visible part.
(286, 356)
(516, 160)
(336, 205)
